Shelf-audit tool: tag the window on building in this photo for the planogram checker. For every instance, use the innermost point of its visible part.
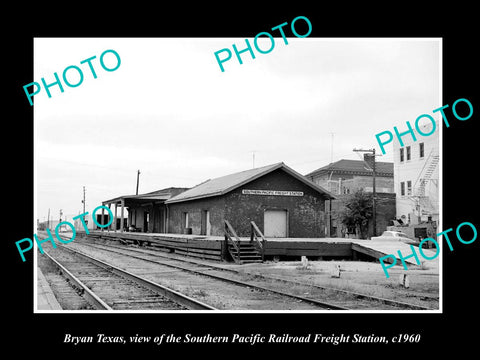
(401, 155)
(409, 188)
(402, 188)
(422, 150)
(408, 153)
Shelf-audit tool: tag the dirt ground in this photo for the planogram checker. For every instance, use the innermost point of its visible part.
(364, 277)
(359, 276)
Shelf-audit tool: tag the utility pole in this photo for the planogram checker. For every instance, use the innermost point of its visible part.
(83, 201)
(374, 202)
(138, 176)
(48, 219)
(331, 149)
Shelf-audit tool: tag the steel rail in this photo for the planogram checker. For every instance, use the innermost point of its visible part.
(170, 294)
(88, 294)
(233, 281)
(268, 277)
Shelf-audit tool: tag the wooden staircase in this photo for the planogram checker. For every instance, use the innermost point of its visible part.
(246, 253)
(243, 252)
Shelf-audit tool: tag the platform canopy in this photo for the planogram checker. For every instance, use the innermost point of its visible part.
(150, 198)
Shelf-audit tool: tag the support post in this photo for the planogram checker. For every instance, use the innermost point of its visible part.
(115, 219)
(103, 214)
(374, 198)
(121, 214)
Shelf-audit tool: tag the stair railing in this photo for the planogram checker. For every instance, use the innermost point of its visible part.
(431, 161)
(256, 235)
(231, 237)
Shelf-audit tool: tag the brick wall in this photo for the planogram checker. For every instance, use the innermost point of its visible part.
(216, 206)
(381, 184)
(305, 213)
(306, 216)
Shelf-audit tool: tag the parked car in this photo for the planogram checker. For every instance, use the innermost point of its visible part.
(395, 236)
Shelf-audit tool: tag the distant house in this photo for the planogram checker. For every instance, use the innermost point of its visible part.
(346, 176)
(282, 203)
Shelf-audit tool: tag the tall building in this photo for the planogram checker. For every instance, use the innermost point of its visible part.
(416, 176)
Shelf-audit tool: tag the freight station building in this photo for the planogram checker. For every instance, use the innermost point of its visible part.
(282, 203)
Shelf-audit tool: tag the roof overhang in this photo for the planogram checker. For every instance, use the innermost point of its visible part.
(281, 165)
(129, 200)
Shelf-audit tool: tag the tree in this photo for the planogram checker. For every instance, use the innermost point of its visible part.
(358, 211)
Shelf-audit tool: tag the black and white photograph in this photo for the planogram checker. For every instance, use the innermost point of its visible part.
(228, 181)
(264, 176)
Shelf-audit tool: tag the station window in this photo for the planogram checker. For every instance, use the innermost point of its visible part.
(401, 155)
(422, 150)
(409, 188)
(408, 153)
(402, 188)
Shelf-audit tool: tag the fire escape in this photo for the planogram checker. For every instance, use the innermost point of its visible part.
(423, 203)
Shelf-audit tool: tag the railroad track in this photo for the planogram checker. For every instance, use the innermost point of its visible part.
(254, 296)
(107, 287)
(353, 299)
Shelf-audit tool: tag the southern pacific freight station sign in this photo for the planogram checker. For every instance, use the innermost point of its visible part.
(272, 192)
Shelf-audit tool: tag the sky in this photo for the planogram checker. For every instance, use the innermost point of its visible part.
(170, 112)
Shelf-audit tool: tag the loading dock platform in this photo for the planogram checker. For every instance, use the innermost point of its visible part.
(214, 248)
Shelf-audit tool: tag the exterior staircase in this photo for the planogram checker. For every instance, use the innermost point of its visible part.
(247, 253)
(422, 199)
(427, 172)
(242, 252)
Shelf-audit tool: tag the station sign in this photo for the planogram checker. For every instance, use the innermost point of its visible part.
(272, 192)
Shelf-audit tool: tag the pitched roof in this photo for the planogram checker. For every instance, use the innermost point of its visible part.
(355, 166)
(227, 183)
(157, 195)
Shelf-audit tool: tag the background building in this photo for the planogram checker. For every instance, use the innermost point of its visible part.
(347, 176)
(416, 169)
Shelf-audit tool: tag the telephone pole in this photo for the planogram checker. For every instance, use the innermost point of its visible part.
(331, 149)
(374, 200)
(138, 176)
(83, 201)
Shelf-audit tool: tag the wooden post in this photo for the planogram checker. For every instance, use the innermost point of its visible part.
(121, 214)
(167, 219)
(103, 213)
(115, 219)
(336, 271)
